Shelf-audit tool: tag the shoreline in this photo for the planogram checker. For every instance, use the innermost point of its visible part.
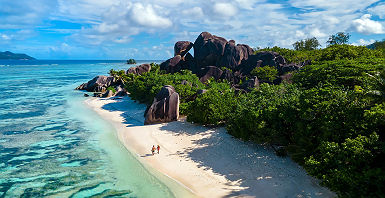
(205, 162)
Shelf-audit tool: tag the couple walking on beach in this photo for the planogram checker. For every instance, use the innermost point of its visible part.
(153, 149)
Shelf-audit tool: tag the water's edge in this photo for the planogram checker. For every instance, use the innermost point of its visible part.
(177, 188)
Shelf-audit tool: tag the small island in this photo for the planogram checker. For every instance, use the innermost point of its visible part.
(7, 55)
(131, 61)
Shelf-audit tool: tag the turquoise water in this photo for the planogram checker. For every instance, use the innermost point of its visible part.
(51, 145)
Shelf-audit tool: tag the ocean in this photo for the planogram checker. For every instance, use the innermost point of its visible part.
(52, 145)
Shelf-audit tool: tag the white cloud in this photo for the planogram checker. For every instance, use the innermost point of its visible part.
(108, 23)
(225, 9)
(195, 12)
(146, 16)
(5, 37)
(317, 33)
(378, 10)
(363, 42)
(365, 25)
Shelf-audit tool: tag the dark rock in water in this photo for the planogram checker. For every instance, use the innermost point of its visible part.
(107, 94)
(234, 54)
(98, 84)
(172, 65)
(139, 70)
(131, 61)
(262, 59)
(82, 87)
(86, 95)
(165, 107)
(208, 49)
(182, 47)
(210, 71)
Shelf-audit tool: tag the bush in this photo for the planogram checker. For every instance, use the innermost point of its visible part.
(266, 73)
(307, 44)
(338, 52)
(344, 73)
(349, 167)
(213, 107)
(112, 89)
(143, 88)
(265, 115)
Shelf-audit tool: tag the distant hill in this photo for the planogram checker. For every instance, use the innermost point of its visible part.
(7, 55)
(377, 45)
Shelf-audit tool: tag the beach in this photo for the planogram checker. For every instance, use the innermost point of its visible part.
(207, 162)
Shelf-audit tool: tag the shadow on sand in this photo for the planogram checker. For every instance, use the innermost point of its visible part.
(258, 171)
(132, 112)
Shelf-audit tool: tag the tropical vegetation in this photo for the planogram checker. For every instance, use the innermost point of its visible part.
(330, 119)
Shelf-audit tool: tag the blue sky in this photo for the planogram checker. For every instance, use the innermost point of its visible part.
(122, 29)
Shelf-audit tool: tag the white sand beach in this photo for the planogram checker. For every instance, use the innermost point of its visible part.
(207, 161)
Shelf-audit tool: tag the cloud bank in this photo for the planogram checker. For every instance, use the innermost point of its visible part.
(125, 25)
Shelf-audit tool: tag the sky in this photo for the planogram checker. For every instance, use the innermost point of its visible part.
(148, 30)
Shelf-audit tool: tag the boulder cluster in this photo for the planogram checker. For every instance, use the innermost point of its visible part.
(100, 84)
(216, 57)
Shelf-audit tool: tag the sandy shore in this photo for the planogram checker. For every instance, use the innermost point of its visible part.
(208, 162)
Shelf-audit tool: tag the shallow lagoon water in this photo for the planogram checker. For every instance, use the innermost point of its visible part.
(52, 145)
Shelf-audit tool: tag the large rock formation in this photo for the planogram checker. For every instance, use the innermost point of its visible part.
(233, 55)
(165, 107)
(208, 49)
(210, 71)
(172, 65)
(182, 47)
(98, 84)
(139, 70)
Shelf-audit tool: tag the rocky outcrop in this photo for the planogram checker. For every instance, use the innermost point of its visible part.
(233, 55)
(172, 65)
(210, 71)
(250, 84)
(98, 84)
(182, 47)
(262, 59)
(208, 49)
(165, 107)
(107, 94)
(139, 70)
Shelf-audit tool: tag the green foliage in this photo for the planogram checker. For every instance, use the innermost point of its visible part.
(112, 89)
(307, 44)
(331, 119)
(265, 115)
(143, 88)
(347, 167)
(347, 73)
(213, 107)
(338, 39)
(266, 73)
(131, 61)
(338, 52)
